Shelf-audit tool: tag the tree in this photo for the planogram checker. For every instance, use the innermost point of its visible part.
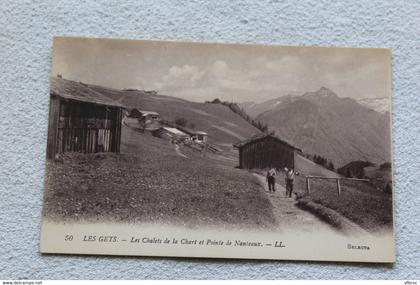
(181, 122)
(241, 112)
(264, 128)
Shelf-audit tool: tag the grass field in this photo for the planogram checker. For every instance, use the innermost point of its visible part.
(359, 202)
(149, 182)
(308, 167)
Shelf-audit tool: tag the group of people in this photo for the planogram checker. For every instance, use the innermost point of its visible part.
(290, 176)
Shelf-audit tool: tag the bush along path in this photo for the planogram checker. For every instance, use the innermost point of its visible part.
(331, 217)
(289, 216)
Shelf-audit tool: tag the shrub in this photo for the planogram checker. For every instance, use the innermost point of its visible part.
(181, 122)
(385, 166)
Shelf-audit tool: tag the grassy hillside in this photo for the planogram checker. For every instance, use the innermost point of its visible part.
(150, 182)
(223, 126)
(308, 167)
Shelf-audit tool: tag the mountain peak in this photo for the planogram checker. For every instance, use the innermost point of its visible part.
(323, 92)
(326, 92)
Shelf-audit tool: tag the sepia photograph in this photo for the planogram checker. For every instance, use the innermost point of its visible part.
(159, 148)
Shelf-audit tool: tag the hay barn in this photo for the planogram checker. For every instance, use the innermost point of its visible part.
(263, 150)
(82, 120)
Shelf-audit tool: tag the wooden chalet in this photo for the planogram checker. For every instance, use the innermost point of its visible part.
(172, 134)
(134, 113)
(149, 120)
(264, 150)
(196, 136)
(82, 120)
(200, 137)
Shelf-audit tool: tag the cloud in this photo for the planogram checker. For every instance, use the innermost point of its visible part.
(219, 69)
(202, 72)
(186, 76)
(218, 79)
(192, 76)
(262, 78)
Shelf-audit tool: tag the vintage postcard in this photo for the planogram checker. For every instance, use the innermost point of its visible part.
(219, 150)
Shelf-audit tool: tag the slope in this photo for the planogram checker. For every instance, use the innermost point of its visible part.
(223, 126)
(307, 167)
(148, 182)
(254, 109)
(337, 128)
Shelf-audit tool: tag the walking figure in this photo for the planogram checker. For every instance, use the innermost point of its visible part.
(290, 176)
(271, 179)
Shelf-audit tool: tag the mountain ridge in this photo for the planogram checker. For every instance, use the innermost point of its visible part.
(320, 122)
(340, 129)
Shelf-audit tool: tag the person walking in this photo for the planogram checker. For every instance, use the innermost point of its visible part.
(271, 179)
(290, 176)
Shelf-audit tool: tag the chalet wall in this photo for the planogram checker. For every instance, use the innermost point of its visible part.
(83, 127)
(149, 124)
(265, 153)
(52, 126)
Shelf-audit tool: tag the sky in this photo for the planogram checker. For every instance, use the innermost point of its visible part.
(231, 72)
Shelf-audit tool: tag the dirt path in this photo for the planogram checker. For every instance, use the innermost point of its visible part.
(179, 152)
(288, 215)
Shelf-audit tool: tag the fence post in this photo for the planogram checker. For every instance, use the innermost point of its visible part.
(338, 187)
(205, 149)
(308, 186)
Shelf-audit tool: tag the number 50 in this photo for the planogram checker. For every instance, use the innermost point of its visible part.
(68, 238)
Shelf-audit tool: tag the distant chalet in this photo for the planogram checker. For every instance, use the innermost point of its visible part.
(196, 136)
(82, 120)
(171, 134)
(264, 150)
(200, 137)
(149, 120)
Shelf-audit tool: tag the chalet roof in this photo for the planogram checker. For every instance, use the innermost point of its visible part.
(192, 132)
(78, 91)
(175, 131)
(145, 113)
(261, 136)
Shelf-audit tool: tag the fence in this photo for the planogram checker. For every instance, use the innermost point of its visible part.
(308, 185)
